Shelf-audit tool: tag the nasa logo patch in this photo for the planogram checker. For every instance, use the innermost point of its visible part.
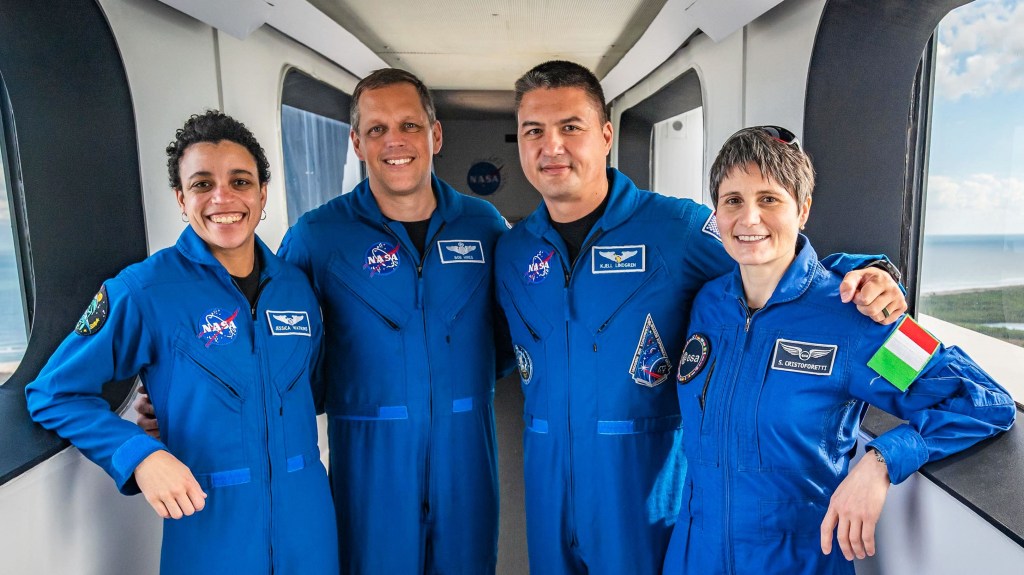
(711, 227)
(95, 315)
(695, 355)
(804, 357)
(288, 322)
(651, 365)
(539, 267)
(217, 327)
(382, 259)
(461, 251)
(524, 363)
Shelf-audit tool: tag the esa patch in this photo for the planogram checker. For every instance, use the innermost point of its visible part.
(524, 363)
(539, 267)
(288, 322)
(217, 327)
(95, 315)
(382, 259)
(618, 259)
(695, 355)
(711, 227)
(461, 251)
(804, 357)
(651, 365)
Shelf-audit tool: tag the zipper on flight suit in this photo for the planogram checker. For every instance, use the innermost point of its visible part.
(568, 272)
(425, 501)
(725, 439)
(263, 402)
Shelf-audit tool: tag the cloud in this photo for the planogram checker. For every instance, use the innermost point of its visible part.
(980, 50)
(980, 192)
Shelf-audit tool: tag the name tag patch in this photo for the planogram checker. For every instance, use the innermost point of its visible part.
(618, 259)
(803, 357)
(461, 251)
(288, 322)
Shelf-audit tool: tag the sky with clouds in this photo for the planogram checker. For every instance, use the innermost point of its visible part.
(976, 164)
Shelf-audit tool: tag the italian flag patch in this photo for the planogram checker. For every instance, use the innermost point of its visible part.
(902, 357)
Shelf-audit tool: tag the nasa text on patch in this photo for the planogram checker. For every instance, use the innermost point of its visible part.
(461, 251)
(539, 267)
(218, 327)
(804, 357)
(618, 259)
(382, 259)
(288, 322)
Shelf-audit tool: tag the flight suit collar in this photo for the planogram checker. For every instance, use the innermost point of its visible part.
(795, 281)
(623, 196)
(193, 248)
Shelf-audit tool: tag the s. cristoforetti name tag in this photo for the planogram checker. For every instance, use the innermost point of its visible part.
(904, 354)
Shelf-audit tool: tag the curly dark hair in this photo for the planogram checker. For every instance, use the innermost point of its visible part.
(213, 126)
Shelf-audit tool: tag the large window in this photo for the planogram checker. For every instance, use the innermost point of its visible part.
(13, 326)
(319, 162)
(972, 273)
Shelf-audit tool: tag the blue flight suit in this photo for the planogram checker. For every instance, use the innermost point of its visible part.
(772, 403)
(231, 388)
(409, 370)
(595, 344)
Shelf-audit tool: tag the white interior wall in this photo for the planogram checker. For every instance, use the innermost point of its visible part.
(677, 155)
(65, 515)
(757, 75)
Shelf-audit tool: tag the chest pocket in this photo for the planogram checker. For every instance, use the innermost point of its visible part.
(201, 412)
(637, 332)
(365, 331)
(795, 400)
(531, 333)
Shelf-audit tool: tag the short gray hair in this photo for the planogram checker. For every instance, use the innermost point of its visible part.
(785, 164)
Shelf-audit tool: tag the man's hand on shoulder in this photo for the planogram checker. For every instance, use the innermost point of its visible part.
(875, 293)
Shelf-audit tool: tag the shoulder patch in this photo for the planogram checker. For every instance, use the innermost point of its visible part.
(695, 355)
(95, 315)
(804, 357)
(651, 365)
(710, 227)
(905, 353)
(524, 363)
(461, 251)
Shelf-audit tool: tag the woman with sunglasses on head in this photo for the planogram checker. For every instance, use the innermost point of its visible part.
(225, 336)
(776, 376)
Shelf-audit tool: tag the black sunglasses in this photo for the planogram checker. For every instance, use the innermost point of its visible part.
(780, 134)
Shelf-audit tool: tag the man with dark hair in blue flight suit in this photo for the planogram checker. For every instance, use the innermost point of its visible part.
(402, 266)
(596, 285)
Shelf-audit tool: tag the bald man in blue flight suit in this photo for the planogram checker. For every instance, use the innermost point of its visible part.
(402, 266)
(596, 285)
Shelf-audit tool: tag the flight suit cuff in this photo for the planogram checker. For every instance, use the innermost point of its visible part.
(128, 457)
(904, 451)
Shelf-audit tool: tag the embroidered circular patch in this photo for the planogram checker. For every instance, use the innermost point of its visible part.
(382, 259)
(524, 363)
(539, 267)
(217, 327)
(695, 355)
(95, 315)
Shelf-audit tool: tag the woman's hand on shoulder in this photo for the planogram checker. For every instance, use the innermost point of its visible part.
(855, 508)
(169, 486)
